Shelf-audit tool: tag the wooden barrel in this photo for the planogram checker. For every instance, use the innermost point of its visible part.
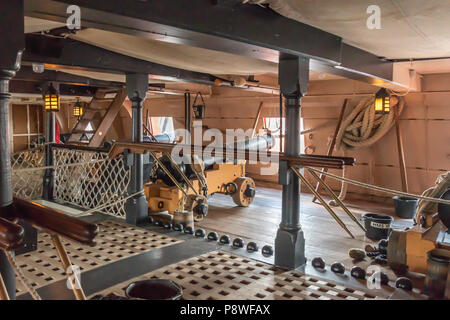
(447, 289)
(438, 265)
(184, 218)
(396, 250)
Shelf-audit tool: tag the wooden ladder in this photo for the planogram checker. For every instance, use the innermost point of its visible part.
(99, 127)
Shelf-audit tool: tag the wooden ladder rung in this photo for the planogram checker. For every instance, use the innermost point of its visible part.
(82, 131)
(104, 99)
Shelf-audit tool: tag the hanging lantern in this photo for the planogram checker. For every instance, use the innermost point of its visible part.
(382, 101)
(200, 108)
(51, 99)
(78, 109)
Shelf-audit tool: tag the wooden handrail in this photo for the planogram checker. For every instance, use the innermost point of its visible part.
(302, 160)
(78, 147)
(11, 235)
(54, 221)
(348, 161)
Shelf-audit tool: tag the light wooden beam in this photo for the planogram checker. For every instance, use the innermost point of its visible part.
(108, 119)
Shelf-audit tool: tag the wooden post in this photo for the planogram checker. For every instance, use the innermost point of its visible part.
(258, 115)
(3, 292)
(281, 124)
(324, 203)
(336, 198)
(108, 119)
(65, 260)
(401, 155)
(332, 145)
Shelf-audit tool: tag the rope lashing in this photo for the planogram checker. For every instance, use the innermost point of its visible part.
(385, 190)
(110, 204)
(60, 166)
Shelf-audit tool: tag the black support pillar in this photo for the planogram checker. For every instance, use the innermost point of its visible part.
(5, 172)
(293, 75)
(137, 207)
(11, 48)
(50, 137)
(187, 117)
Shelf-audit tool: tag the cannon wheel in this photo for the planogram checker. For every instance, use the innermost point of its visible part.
(240, 197)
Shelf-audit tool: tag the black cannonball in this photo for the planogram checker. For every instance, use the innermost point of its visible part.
(189, 230)
(238, 243)
(318, 263)
(358, 272)
(338, 268)
(200, 233)
(178, 227)
(225, 239)
(213, 236)
(252, 247)
(267, 251)
(404, 283)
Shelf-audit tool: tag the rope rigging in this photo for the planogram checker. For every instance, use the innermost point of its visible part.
(386, 190)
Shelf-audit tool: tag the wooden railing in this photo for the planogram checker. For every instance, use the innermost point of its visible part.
(54, 222)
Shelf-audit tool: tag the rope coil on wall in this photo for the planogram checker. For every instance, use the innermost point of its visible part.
(362, 128)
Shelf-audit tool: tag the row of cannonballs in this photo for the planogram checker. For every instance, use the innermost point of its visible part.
(237, 243)
(378, 254)
(267, 251)
(359, 273)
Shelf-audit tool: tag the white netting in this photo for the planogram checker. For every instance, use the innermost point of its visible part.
(27, 183)
(97, 181)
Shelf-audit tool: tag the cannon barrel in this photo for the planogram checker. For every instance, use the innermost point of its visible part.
(252, 144)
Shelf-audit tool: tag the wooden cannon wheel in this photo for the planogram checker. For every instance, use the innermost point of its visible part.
(240, 197)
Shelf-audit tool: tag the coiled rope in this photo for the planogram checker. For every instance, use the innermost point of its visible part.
(362, 128)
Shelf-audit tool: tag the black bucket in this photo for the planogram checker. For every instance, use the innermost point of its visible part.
(378, 226)
(405, 208)
(154, 289)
